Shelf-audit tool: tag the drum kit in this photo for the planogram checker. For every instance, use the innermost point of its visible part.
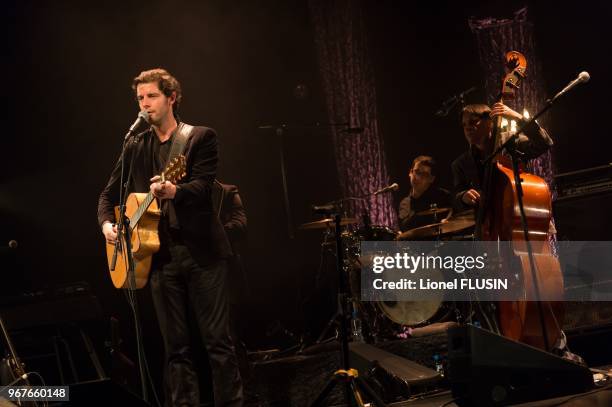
(388, 318)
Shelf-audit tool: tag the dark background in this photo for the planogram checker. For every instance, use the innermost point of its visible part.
(67, 72)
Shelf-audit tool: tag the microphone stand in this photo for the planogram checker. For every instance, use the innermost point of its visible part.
(124, 236)
(280, 131)
(450, 103)
(512, 139)
(283, 168)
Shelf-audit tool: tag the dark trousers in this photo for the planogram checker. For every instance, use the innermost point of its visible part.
(180, 283)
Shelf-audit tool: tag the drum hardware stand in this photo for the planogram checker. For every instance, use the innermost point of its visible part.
(346, 375)
(335, 207)
(335, 317)
(338, 315)
(434, 206)
(328, 209)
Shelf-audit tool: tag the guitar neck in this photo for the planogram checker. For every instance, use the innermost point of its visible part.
(173, 172)
(142, 208)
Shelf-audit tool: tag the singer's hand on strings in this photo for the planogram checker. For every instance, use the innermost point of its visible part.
(499, 109)
(162, 190)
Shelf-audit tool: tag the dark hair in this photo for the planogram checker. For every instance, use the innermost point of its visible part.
(479, 109)
(167, 84)
(426, 160)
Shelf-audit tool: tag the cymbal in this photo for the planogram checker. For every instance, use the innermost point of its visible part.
(431, 211)
(327, 223)
(422, 231)
(450, 226)
(456, 224)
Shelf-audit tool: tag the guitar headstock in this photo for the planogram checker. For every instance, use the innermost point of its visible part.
(516, 65)
(175, 170)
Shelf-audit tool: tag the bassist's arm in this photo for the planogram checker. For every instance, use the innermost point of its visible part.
(534, 141)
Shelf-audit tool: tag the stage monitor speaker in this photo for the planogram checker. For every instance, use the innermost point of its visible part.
(392, 377)
(486, 369)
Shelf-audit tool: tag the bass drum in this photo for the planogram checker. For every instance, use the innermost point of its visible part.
(419, 313)
(415, 313)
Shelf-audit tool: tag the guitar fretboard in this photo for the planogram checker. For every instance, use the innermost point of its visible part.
(172, 173)
(142, 208)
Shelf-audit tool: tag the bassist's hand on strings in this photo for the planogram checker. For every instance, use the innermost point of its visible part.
(162, 190)
(499, 109)
(109, 230)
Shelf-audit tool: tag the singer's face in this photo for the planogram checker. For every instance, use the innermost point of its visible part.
(476, 129)
(151, 99)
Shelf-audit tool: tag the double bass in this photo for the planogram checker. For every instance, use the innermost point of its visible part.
(536, 323)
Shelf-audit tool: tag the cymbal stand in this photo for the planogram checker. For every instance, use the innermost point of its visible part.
(335, 318)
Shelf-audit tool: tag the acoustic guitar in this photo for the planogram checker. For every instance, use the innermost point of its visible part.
(143, 213)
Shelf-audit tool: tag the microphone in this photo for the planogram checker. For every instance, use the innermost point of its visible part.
(389, 188)
(583, 77)
(143, 117)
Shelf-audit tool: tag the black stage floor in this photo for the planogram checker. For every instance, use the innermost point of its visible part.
(297, 380)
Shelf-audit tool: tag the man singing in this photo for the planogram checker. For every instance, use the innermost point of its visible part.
(189, 271)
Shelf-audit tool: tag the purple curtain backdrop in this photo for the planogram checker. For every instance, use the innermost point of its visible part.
(350, 94)
(496, 37)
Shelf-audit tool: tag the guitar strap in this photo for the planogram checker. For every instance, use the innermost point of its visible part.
(183, 132)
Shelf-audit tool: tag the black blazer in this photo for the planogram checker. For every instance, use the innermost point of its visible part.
(199, 227)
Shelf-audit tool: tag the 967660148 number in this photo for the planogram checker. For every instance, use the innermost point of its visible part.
(36, 393)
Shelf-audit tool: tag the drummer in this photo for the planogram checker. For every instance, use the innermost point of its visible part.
(424, 195)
